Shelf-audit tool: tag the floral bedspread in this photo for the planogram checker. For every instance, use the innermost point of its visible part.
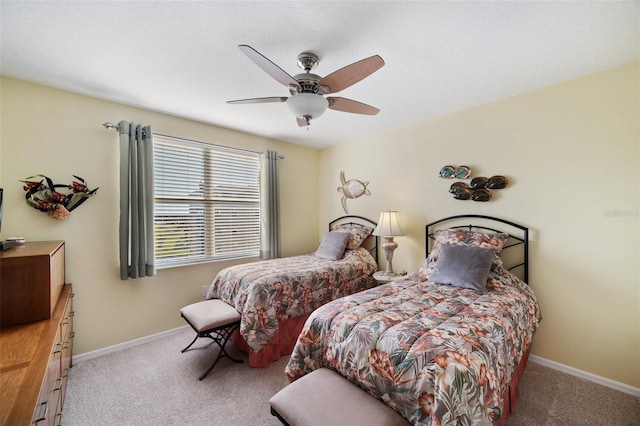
(270, 291)
(437, 354)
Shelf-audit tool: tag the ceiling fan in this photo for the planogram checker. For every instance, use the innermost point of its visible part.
(307, 100)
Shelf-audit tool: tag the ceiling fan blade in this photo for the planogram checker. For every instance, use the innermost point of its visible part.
(349, 105)
(269, 67)
(259, 100)
(351, 74)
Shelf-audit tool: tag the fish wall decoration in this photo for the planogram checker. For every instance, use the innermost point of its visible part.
(479, 189)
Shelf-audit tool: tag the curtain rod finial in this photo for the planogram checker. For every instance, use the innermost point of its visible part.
(110, 125)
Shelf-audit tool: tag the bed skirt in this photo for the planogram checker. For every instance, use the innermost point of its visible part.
(280, 344)
(511, 393)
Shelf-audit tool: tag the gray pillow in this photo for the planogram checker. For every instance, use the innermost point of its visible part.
(332, 245)
(463, 266)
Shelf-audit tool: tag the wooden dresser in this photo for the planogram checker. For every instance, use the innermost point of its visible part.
(35, 358)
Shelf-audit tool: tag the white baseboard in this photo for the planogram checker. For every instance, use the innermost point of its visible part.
(585, 375)
(131, 343)
(533, 358)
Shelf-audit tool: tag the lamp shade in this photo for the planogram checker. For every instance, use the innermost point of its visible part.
(389, 225)
(307, 105)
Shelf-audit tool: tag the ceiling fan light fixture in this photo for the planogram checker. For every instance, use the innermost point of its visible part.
(307, 105)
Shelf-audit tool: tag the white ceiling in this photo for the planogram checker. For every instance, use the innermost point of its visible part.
(181, 57)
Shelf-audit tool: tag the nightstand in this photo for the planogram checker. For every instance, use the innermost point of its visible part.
(381, 278)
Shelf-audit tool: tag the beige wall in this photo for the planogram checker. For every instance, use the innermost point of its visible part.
(571, 153)
(59, 134)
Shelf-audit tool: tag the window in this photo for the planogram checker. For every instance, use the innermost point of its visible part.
(207, 202)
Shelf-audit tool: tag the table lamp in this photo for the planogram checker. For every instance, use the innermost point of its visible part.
(389, 227)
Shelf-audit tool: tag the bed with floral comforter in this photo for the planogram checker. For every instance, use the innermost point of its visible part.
(269, 292)
(437, 354)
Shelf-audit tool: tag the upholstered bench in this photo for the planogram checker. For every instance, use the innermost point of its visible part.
(323, 397)
(213, 319)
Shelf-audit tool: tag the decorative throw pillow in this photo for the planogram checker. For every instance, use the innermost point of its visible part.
(332, 245)
(463, 266)
(357, 234)
(467, 238)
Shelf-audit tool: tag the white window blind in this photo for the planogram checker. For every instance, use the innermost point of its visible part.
(207, 202)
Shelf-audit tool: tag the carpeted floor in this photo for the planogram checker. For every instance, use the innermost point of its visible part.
(155, 384)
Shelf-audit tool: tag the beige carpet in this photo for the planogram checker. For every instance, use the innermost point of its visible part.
(155, 384)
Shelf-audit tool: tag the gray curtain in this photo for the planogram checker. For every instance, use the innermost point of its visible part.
(270, 206)
(137, 255)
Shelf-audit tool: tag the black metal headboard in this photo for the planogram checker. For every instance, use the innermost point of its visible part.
(515, 253)
(371, 243)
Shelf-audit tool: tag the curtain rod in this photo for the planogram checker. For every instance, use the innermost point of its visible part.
(112, 126)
